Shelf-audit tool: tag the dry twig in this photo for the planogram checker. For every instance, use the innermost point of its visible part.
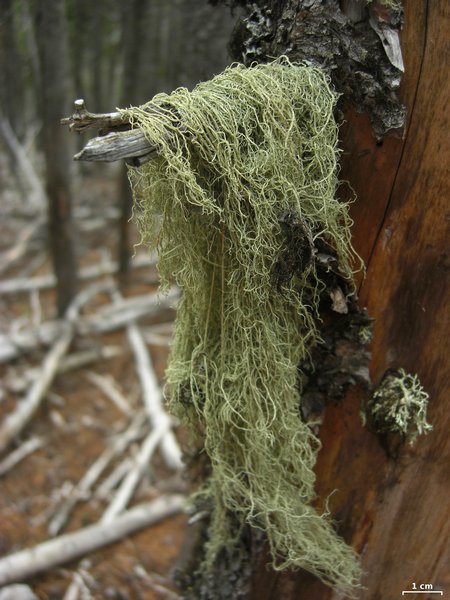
(20, 248)
(37, 197)
(15, 344)
(68, 547)
(117, 140)
(28, 447)
(18, 383)
(95, 471)
(114, 478)
(108, 386)
(153, 398)
(26, 284)
(15, 422)
(125, 492)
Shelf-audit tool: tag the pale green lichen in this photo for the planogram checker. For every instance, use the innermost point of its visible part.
(252, 144)
(366, 334)
(399, 405)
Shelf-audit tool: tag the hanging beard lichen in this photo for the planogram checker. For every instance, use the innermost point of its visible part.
(235, 155)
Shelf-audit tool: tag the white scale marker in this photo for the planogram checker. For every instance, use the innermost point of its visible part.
(422, 592)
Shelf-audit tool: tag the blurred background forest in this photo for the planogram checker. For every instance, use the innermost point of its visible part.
(83, 339)
(108, 52)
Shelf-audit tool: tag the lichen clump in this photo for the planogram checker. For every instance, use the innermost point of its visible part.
(399, 405)
(234, 154)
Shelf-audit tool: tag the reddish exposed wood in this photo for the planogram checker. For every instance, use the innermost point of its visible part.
(395, 510)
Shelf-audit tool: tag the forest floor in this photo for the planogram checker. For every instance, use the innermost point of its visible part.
(77, 420)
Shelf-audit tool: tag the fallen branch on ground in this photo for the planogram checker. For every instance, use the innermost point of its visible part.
(10, 257)
(36, 197)
(16, 421)
(156, 583)
(75, 588)
(26, 284)
(126, 312)
(26, 563)
(114, 478)
(152, 394)
(28, 447)
(125, 492)
(14, 345)
(153, 398)
(19, 383)
(82, 584)
(108, 386)
(118, 445)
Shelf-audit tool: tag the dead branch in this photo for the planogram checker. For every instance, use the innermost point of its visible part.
(26, 236)
(153, 398)
(156, 339)
(125, 492)
(95, 471)
(15, 422)
(128, 311)
(52, 553)
(117, 139)
(86, 357)
(73, 591)
(28, 447)
(118, 145)
(36, 197)
(18, 384)
(151, 391)
(156, 583)
(83, 119)
(17, 342)
(81, 585)
(26, 284)
(17, 592)
(114, 478)
(132, 309)
(108, 386)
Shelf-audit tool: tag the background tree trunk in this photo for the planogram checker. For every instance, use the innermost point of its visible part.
(11, 71)
(51, 37)
(131, 40)
(391, 503)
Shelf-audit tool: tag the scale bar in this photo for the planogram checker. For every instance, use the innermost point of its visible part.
(422, 592)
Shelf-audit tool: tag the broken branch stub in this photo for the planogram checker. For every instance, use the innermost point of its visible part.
(83, 119)
(117, 140)
(117, 145)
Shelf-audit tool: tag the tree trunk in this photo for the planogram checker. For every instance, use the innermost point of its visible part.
(132, 28)
(11, 71)
(50, 33)
(390, 499)
(391, 503)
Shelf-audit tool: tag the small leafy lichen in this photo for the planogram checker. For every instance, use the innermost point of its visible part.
(236, 156)
(399, 405)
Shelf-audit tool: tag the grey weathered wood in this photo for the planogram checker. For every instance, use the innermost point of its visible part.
(83, 119)
(118, 141)
(117, 146)
(68, 547)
